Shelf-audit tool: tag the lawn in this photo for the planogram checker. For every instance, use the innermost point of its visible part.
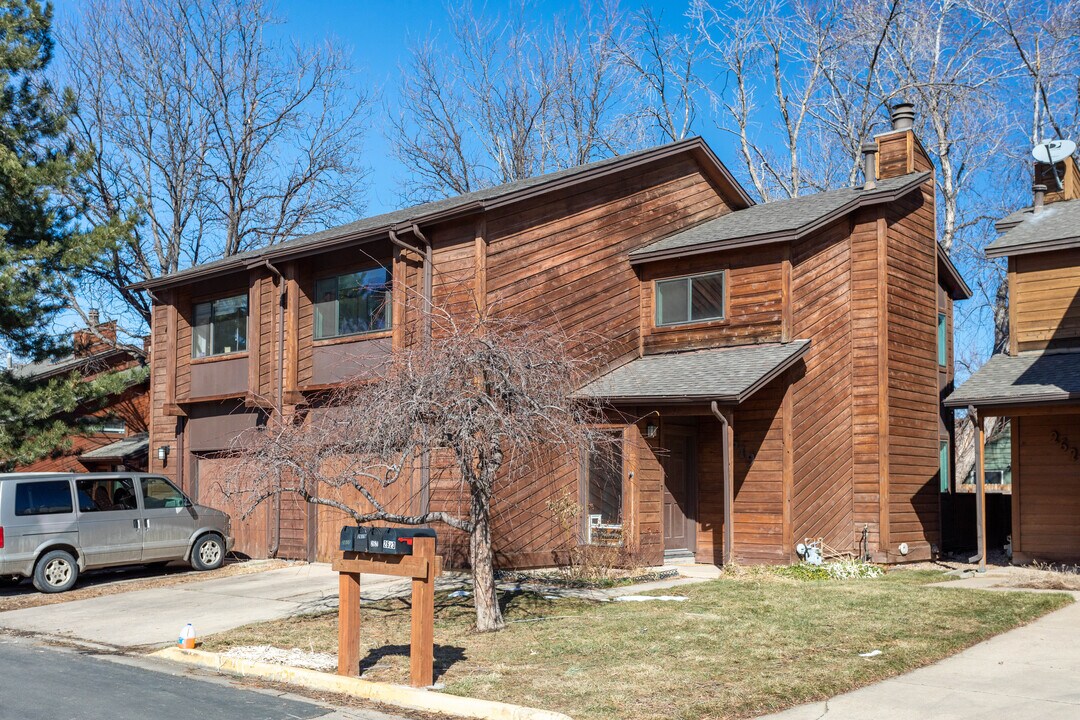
(737, 648)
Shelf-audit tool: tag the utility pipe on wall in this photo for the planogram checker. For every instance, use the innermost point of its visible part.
(283, 301)
(729, 490)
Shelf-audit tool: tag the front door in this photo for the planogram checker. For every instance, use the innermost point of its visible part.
(680, 488)
(168, 520)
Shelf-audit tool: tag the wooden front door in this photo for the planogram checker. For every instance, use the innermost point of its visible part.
(680, 487)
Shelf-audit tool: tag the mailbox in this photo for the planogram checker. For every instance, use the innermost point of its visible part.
(354, 539)
(382, 540)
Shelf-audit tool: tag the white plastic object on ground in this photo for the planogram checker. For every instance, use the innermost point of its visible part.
(872, 653)
(459, 594)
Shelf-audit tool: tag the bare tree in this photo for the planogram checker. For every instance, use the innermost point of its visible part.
(206, 137)
(665, 75)
(494, 394)
(507, 100)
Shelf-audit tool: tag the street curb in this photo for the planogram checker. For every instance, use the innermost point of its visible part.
(397, 695)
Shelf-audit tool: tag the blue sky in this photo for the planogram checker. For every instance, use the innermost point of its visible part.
(379, 33)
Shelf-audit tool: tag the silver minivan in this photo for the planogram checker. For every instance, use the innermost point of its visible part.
(55, 525)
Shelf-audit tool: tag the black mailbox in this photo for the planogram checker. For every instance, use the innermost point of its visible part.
(354, 539)
(382, 540)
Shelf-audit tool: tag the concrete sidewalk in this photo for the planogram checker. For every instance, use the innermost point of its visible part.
(1026, 674)
(154, 617)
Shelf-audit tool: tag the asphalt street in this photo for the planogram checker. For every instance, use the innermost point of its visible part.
(44, 683)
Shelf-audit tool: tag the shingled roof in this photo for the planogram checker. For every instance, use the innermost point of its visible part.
(1028, 378)
(1055, 227)
(476, 201)
(728, 375)
(777, 221)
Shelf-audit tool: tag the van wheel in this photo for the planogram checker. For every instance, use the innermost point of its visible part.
(208, 553)
(56, 571)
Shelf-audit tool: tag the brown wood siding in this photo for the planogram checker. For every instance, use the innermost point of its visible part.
(251, 535)
(1047, 487)
(823, 490)
(1046, 298)
(914, 402)
(866, 402)
(564, 259)
(754, 301)
(162, 425)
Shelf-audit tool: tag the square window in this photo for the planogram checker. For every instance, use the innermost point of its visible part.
(220, 327)
(353, 304)
(696, 298)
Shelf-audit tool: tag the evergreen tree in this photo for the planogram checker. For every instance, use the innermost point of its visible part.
(40, 246)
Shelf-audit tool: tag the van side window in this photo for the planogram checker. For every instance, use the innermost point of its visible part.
(106, 495)
(160, 493)
(51, 497)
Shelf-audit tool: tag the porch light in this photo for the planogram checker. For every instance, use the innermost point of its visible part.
(651, 428)
(163, 453)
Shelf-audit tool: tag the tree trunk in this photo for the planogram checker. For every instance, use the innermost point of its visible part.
(488, 613)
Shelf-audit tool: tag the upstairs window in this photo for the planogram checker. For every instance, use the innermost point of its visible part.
(220, 327)
(696, 298)
(942, 340)
(351, 304)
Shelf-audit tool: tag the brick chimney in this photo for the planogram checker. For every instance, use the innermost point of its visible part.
(899, 150)
(1067, 173)
(87, 343)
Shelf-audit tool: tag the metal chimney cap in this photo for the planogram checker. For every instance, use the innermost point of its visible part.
(903, 115)
(94, 317)
(868, 147)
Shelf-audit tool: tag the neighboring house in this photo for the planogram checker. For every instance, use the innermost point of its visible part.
(111, 435)
(997, 464)
(1037, 384)
(774, 371)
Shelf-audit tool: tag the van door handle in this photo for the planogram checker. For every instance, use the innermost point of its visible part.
(135, 522)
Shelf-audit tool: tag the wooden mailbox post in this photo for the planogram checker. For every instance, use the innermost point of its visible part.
(423, 566)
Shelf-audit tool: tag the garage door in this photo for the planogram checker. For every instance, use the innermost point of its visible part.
(252, 535)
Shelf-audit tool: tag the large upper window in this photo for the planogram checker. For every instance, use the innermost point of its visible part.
(696, 298)
(220, 327)
(353, 303)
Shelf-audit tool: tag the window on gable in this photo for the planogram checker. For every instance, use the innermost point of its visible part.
(352, 304)
(696, 298)
(220, 327)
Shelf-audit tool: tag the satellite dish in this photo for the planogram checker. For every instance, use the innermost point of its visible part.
(1052, 152)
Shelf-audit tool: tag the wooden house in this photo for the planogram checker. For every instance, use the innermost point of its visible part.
(1037, 383)
(109, 435)
(774, 372)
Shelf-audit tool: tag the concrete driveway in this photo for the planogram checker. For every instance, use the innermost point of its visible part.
(1026, 674)
(155, 616)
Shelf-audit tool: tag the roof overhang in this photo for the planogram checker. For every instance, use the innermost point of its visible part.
(1033, 247)
(864, 199)
(1025, 380)
(654, 379)
(696, 146)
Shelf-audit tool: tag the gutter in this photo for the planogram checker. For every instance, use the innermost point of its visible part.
(728, 550)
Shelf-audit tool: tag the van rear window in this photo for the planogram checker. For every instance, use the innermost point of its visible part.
(52, 497)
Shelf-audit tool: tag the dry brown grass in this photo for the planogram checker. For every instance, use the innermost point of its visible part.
(1041, 576)
(120, 580)
(739, 647)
